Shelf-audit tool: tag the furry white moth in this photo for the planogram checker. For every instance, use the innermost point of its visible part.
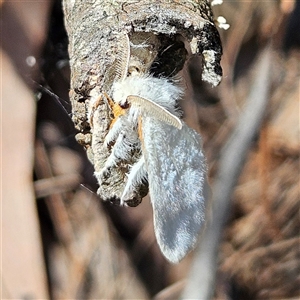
(171, 160)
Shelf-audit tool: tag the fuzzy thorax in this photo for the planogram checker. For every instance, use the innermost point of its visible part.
(160, 91)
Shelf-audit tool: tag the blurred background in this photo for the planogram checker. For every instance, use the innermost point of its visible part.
(59, 241)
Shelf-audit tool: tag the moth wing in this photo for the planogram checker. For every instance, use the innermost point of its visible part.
(177, 175)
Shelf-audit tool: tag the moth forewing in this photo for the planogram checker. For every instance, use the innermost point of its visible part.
(176, 174)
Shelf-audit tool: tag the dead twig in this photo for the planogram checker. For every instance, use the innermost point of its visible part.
(59, 184)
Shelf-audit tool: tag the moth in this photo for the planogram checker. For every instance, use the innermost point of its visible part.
(125, 105)
(171, 160)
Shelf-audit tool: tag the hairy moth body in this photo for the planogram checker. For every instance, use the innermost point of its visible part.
(171, 160)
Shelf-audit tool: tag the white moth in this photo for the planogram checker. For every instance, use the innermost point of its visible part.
(171, 160)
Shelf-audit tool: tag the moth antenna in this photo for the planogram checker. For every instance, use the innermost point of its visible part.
(155, 110)
(122, 60)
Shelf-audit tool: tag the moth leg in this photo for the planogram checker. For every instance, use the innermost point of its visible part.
(126, 140)
(136, 176)
(117, 123)
(114, 131)
(122, 150)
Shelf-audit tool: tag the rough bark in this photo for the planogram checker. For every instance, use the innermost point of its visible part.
(98, 49)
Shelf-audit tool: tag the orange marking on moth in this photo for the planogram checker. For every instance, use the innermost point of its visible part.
(110, 101)
(116, 109)
(140, 130)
